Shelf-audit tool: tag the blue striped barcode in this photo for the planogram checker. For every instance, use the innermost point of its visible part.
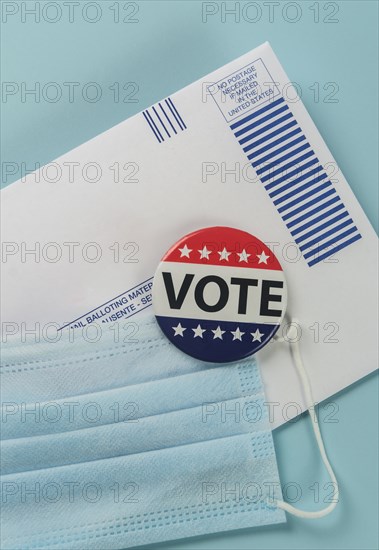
(164, 120)
(295, 181)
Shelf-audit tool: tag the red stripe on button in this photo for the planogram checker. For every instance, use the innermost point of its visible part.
(224, 246)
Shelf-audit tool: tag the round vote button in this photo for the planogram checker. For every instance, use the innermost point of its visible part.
(219, 294)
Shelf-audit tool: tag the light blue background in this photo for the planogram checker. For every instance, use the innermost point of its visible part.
(168, 48)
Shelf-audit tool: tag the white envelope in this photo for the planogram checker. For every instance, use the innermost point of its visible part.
(137, 188)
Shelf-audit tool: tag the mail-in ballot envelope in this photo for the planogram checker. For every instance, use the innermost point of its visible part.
(83, 235)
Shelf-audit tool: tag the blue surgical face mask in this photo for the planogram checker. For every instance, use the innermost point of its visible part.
(112, 445)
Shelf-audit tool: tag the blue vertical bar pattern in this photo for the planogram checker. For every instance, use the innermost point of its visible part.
(295, 181)
(164, 120)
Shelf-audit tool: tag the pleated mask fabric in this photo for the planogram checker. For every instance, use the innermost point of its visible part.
(114, 445)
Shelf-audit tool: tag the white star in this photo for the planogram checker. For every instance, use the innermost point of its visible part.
(185, 251)
(198, 331)
(204, 253)
(218, 333)
(224, 255)
(179, 330)
(262, 258)
(243, 256)
(257, 335)
(237, 334)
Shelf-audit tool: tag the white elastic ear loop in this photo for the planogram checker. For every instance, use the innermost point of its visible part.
(295, 349)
